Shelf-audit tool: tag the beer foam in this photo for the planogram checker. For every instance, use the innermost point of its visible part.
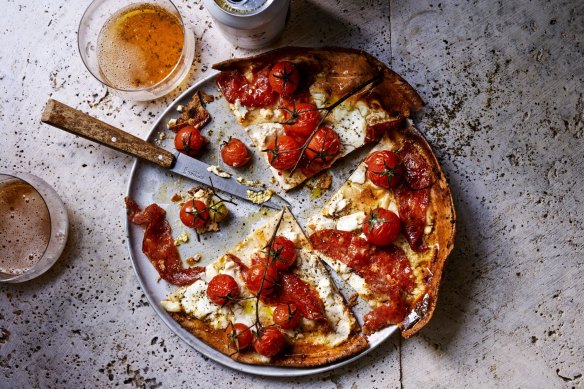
(25, 227)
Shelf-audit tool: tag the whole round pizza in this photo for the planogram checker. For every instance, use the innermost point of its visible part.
(386, 232)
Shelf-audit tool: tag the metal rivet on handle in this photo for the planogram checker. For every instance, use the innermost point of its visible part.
(114, 139)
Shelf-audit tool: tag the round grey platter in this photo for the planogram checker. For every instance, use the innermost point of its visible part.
(150, 184)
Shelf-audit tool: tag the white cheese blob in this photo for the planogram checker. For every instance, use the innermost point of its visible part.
(351, 127)
(216, 170)
(359, 175)
(351, 222)
(239, 110)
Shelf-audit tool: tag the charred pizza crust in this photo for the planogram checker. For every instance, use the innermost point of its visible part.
(312, 343)
(358, 194)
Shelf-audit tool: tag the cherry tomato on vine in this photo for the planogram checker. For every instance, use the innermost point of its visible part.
(194, 214)
(189, 141)
(284, 78)
(283, 152)
(256, 273)
(269, 342)
(222, 289)
(381, 227)
(239, 336)
(234, 153)
(282, 253)
(323, 146)
(286, 316)
(384, 168)
(300, 119)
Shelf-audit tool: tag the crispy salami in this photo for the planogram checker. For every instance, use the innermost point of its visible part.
(158, 244)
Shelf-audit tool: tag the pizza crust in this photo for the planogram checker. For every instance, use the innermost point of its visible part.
(342, 70)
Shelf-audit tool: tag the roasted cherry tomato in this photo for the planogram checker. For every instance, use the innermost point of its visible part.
(194, 214)
(384, 168)
(381, 227)
(323, 146)
(283, 152)
(256, 273)
(282, 253)
(234, 153)
(239, 336)
(300, 119)
(188, 140)
(284, 78)
(286, 316)
(222, 289)
(269, 342)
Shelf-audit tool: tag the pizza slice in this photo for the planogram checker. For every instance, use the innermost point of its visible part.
(269, 301)
(304, 108)
(388, 231)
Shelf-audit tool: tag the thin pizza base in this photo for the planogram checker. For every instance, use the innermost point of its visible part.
(311, 344)
(358, 195)
(337, 71)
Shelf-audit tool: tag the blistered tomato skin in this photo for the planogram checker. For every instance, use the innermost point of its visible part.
(284, 78)
(261, 279)
(194, 214)
(286, 316)
(234, 153)
(283, 152)
(239, 336)
(189, 141)
(223, 289)
(282, 253)
(300, 119)
(270, 342)
(381, 227)
(384, 169)
(235, 86)
(324, 146)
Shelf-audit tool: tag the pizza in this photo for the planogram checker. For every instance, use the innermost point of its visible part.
(268, 300)
(304, 108)
(388, 230)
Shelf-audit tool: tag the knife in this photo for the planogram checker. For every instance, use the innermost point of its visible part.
(76, 122)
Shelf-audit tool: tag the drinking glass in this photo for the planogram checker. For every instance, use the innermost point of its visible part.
(19, 234)
(94, 19)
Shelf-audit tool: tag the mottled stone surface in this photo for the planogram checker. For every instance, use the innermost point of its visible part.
(503, 83)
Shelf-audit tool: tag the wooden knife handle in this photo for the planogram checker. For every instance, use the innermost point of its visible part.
(76, 122)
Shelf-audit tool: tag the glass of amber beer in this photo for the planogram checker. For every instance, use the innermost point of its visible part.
(140, 49)
(33, 226)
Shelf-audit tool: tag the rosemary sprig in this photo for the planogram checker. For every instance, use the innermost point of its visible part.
(270, 242)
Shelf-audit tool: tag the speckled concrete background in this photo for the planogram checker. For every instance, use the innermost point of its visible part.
(504, 85)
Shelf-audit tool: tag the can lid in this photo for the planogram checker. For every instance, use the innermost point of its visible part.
(243, 7)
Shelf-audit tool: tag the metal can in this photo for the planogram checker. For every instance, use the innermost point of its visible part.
(249, 24)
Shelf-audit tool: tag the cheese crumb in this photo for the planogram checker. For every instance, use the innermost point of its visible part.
(216, 170)
(191, 261)
(259, 197)
(183, 237)
(251, 184)
(180, 107)
(171, 123)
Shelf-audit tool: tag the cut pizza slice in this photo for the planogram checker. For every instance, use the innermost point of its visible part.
(304, 108)
(269, 301)
(388, 231)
